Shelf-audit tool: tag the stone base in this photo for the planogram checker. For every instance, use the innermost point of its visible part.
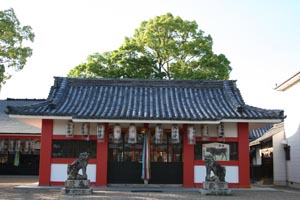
(77, 191)
(77, 183)
(215, 188)
(77, 187)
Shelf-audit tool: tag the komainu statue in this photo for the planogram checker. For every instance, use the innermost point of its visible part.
(80, 163)
(212, 166)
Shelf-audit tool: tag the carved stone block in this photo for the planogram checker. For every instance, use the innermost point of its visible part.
(77, 183)
(77, 187)
(215, 188)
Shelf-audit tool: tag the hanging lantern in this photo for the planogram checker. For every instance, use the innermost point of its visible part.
(117, 132)
(204, 130)
(191, 134)
(11, 145)
(85, 129)
(26, 146)
(158, 134)
(70, 127)
(175, 134)
(18, 145)
(220, 130)
(100, 132)
(2, 145)
(132, 134)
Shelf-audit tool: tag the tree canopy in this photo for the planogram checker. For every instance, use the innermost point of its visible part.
(13, 55)
(165, 47)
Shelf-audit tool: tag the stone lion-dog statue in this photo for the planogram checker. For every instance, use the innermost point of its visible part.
(76, 166)
(212, 166)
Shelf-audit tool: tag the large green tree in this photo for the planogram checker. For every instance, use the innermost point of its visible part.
(165, 47)
(13, 54)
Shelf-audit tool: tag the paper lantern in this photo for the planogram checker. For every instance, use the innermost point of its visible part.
(175, 134)
(132, 134)
(100, 131)
(70, 127)
(220, 130)
(85, 129)
(191, 134)
(18, 145)
(204, 131)
(158, 134)
(117, 132)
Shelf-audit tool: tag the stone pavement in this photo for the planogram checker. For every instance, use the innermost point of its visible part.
(26, 187)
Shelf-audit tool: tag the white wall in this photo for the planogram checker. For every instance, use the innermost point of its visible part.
(60, 128)
(232, 174)
(230, 130)
(59, 172)
(290, 102)
(279, 160)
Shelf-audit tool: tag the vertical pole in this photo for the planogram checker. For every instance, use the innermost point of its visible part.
(45, 152)
(188, 160)
(243, 151)
(102, 160)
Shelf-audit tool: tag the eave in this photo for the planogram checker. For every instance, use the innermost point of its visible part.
(152, 121)
(288, 83)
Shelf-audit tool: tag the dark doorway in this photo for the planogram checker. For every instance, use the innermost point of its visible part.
(125, 161)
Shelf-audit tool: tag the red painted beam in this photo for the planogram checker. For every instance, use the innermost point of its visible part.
(45, 152)
(188, 161)
(243, 151)
(102, 159)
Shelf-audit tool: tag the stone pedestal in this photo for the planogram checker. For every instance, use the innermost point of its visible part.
(77, 187)
(215, 188)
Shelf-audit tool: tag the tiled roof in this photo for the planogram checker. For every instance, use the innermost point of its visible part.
(13, 126)
(256, 133)
(274, 129)
(140, 99)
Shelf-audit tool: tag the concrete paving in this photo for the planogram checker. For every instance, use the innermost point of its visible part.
(26, 187)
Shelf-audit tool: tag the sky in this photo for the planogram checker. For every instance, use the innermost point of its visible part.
(259, 37)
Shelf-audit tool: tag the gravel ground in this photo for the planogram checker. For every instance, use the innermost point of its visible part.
(10, 189)
(11, 193)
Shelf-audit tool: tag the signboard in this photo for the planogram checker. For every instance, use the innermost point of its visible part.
(220, 151)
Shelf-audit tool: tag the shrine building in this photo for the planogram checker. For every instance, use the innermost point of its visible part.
(110, 119)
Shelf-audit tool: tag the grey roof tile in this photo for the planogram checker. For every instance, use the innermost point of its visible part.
(140, 99)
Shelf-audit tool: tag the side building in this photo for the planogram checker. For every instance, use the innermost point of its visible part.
(268, 155)
(19, 141)
(289, 96)
(116, 119)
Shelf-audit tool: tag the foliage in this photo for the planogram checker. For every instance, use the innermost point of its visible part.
(13, 55)
(165, 47)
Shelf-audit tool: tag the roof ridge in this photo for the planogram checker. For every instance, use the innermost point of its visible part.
(60, 92)
(145, 82)
(231, 97)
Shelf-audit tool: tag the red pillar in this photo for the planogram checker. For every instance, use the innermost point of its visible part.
(102, 159)
(244, 160)
(188, 161)
(45, 152)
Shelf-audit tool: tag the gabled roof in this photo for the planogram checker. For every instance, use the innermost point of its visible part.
(13, 126)
(140, 99)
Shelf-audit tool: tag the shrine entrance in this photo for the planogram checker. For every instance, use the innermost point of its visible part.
(125, 160)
